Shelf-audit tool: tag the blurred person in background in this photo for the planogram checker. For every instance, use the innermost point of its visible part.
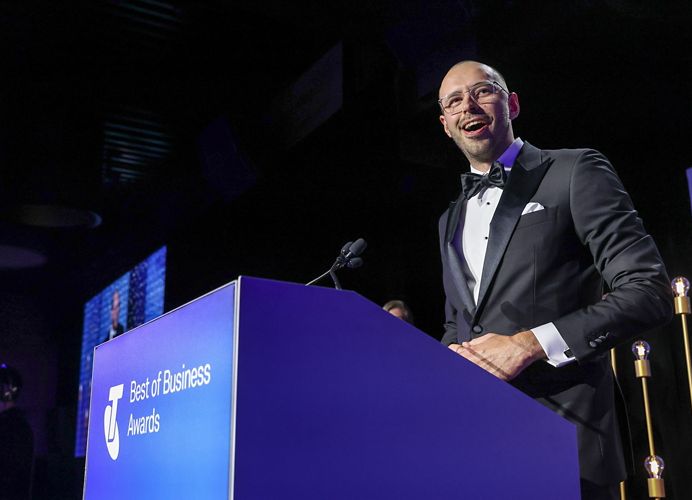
(16, 439)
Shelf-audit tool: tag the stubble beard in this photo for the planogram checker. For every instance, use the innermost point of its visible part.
(476, 151)
(483, 150)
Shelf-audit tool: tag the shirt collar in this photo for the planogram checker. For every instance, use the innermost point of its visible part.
(508, 157)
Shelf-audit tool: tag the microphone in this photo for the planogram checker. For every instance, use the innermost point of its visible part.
(354, 263)
(344, 249)
(355, 249)
(349, 252)
(348, 257)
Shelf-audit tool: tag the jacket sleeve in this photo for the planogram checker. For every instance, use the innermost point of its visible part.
(450, 326)
(624, 254)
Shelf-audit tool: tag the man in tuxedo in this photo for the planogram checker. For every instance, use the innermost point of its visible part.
(546, 267)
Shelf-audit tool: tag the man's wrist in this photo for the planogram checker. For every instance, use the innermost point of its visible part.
(532, 347)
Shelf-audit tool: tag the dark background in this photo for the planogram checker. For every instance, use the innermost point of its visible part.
(257, 137)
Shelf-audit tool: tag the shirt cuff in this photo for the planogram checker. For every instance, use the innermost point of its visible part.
(553, 344)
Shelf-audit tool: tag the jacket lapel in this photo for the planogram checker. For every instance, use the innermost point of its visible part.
(526, 175)
(454, 216)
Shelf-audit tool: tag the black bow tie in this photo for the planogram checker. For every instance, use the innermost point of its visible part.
(473, 184)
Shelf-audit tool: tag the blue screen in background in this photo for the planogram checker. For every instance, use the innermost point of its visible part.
(140, 295)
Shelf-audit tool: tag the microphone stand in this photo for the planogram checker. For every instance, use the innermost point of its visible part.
(347, 258)
(331, 273)
(337, 285)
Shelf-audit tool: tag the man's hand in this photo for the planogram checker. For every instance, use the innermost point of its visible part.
(503, 356)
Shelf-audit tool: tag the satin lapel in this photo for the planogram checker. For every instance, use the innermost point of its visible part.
(522, 183)
(453, 258)
(453, 215)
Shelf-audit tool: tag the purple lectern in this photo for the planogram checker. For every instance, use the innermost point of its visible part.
(329, 397)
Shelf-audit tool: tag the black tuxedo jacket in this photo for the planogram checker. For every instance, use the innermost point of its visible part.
(551, 266)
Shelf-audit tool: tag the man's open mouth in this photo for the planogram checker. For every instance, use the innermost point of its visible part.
(474, 125)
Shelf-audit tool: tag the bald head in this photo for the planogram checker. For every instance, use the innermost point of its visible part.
(491, 73)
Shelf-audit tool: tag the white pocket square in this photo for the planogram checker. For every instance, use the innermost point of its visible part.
(531, 208)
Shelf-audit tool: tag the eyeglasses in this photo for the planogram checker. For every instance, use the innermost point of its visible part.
(481, 93)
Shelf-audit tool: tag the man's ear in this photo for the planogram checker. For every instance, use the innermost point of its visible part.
(513, 102)
(444, 125)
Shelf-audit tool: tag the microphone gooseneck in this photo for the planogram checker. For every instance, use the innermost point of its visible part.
(348, 257)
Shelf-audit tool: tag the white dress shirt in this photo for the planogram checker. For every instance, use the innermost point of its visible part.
(474, 243)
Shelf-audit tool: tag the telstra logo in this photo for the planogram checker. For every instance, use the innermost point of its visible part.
(110, 425)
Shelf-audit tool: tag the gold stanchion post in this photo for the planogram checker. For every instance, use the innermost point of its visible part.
(613, 363)
(654, 464)
(681, 286)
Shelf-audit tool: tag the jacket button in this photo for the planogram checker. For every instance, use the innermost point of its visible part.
(477, 329)
(593, 343)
